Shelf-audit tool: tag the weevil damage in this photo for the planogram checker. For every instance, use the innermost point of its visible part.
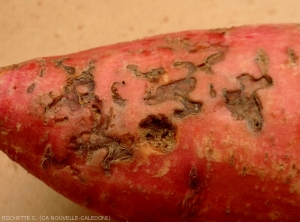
(158, 131)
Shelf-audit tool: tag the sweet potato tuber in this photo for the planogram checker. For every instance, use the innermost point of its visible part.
(189, 126)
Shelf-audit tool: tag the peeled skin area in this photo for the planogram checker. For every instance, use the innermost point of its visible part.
(190, 126)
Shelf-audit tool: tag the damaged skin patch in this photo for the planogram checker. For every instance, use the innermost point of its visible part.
(179, 91)
(210, 61)
(116, 152)
(80, 89)
(118, 149)
(194, 182)
(31, 88)
(244, 104)
(206, 66)
(263, 61)
(191, 68)
(293, 58)
(47, 158)
(42, 63)
(117, 98)
(78, 97)
(212, 91)
(42, 72)
(192, 198)
(159, 132)
(153, 75)
(69, 69)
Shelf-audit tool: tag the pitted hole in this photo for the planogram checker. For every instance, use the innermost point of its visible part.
(159, 132)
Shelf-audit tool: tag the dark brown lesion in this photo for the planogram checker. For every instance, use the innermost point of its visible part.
(117, 98)
(158, 131)
(244, 104)
(152, 75)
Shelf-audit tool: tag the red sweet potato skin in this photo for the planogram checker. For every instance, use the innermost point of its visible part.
(190, 126)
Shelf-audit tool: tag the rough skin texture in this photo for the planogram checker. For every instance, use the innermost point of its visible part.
(190, 126)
